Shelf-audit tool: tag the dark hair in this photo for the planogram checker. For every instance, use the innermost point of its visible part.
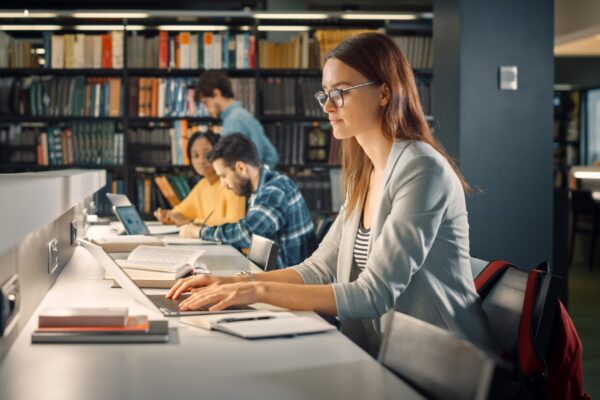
(212, 80)
(379, 59)
(233, 148)
(212, 138)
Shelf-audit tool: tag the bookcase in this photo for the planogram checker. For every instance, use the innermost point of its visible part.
(566, 135)
(121, 97)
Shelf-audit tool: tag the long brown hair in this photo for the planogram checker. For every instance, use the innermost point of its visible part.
(378, 58)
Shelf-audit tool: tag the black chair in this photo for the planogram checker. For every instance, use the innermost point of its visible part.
(323, 227)
(582, 204)
(440, 364)
(263, 252)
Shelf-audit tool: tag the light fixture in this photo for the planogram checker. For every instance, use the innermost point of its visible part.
(283, 28)
(109, 27)
(27, 14)
(112, 15)
(587, 174)
(379, 16)
(185, 28)
(30, 27)
(290, 16)
(40, 50)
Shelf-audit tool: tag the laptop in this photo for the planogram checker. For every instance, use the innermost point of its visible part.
(157, 302)
(132, 222)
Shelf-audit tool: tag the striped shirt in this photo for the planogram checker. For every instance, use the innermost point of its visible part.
(276, 211)
(361, 246)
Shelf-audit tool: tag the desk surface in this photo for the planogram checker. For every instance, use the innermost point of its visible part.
(194, 364)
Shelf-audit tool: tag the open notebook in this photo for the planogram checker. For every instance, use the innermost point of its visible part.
(260, 324)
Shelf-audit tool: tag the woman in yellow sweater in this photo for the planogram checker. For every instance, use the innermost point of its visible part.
(208, 199)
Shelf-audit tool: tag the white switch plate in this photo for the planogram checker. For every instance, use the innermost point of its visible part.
(509, 78)
(52, 256)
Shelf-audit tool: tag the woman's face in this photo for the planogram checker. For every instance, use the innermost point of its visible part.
(199, 149)
(362, 108)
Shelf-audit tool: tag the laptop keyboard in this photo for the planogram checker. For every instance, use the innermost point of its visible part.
(167, 304)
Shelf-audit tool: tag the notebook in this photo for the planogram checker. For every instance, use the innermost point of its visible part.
(260, 324)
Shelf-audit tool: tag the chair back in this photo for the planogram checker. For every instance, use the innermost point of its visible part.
(263, 252)
(438, 363)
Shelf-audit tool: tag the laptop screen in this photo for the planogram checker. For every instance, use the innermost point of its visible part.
(131, 220)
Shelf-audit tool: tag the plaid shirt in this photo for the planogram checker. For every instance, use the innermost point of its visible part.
(276, 211)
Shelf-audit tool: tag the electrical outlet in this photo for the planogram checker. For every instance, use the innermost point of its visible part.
(73, 234)
(52, 256)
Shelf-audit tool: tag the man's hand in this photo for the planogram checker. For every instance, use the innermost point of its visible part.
(189, 231)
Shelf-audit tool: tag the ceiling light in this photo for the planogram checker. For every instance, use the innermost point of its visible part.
(30, 27)
(110, 15)
(283, 28)
(27, 14)
(184, 28)
(290, 16)
(587, 175)
(379, 16)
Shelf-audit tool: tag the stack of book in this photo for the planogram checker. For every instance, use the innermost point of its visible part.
(417, 49)
(173, 188)
(97, 325)
(300, 52)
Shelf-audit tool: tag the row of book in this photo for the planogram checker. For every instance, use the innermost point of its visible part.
(81, 144)
(185, 50)
(114, 184)
(300, 142)
(18, 53)
(301, 51)
(84, 51)
(163, 97)
(417, 49)
(316, 189)
(50, 96)
(424, 90)
(175, 97)
(293, 96)
(149, 195)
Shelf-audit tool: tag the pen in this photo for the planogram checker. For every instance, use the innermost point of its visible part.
(226, 320)
(205, 219)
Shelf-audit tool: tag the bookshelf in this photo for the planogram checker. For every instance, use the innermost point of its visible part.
(566, 135)
(275, 81)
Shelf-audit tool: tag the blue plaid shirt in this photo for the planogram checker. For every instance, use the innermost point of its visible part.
(277, 211)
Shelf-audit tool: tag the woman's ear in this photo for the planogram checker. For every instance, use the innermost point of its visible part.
(384, 95)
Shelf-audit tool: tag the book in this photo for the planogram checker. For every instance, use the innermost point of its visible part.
(158, 332)
(259, 324)
(135, 323)
(176, 240)
(177, 261)
(80, 316)
(122, 244)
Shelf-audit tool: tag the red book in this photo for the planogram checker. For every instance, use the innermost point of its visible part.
(106, 51)
(252, 51)
(163, 52)
(137, 323)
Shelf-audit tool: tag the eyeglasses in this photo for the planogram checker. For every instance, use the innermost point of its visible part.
(336, 96)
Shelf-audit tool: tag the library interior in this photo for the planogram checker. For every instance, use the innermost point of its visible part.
(267, 199)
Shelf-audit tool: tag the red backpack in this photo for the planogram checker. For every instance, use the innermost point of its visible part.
(532, 330)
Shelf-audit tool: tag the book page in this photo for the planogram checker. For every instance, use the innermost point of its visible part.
(168, 256)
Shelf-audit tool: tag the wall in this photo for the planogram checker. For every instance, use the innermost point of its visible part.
(502, 139)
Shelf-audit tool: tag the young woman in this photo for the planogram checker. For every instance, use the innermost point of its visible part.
(402, 239)
(208, 201)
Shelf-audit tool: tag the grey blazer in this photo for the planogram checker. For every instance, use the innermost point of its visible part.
(418, 260)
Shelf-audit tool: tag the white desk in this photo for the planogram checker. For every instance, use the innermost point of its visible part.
(194, 364)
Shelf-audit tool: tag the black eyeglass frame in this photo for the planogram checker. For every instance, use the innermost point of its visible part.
(323, 95)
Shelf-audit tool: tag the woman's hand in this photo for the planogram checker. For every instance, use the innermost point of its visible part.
(178, 219)
(202, 280)
(163, 216)
(220, 297)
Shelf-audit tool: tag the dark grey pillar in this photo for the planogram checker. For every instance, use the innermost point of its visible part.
(502, 139)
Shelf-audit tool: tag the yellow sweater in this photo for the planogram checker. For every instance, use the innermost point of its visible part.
(205, 197)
